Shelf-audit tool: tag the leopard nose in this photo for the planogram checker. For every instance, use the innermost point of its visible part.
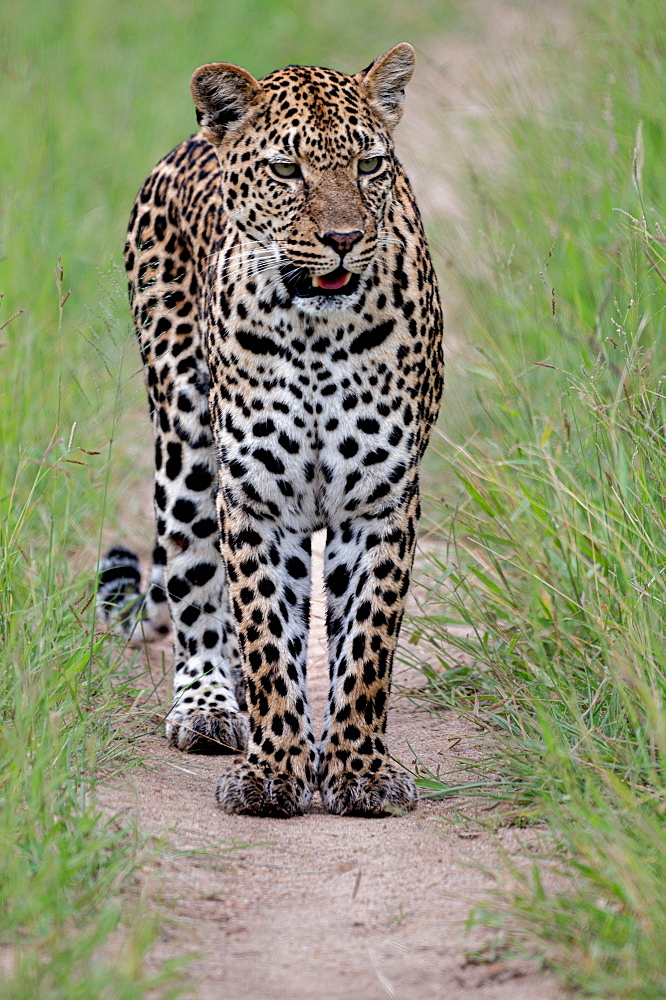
(342, 242)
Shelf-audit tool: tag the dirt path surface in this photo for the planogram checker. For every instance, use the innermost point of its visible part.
(323, 907)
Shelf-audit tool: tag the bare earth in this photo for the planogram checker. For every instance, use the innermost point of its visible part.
(324, 907)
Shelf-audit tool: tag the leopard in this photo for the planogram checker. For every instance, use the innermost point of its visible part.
(290, 330)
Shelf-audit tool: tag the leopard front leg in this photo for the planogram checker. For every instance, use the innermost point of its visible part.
(269, 579)
(367, 569)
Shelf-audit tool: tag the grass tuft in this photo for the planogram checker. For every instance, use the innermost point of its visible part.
(551, 628)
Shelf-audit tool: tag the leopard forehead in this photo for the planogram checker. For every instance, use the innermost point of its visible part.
(317, 114)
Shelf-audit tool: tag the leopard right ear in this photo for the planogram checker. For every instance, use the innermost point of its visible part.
(385, 80)
(223, 94)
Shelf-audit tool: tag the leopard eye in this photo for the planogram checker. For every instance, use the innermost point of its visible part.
(285, 170)
(371, 165)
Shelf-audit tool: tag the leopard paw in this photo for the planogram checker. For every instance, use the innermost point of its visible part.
(255, 790)
(207, 730)
(373, 792)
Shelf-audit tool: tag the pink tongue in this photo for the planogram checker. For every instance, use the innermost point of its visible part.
(325, 281)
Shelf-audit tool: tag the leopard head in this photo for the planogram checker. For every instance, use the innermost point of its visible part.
(308, 167)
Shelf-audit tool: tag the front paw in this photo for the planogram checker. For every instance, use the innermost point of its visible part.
(376, 790)
(206, 729)
(257, 790)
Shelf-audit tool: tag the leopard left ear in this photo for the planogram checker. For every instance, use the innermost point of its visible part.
(385, 81)
(223, 94)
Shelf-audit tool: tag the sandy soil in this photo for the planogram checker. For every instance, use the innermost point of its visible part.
(323, 907)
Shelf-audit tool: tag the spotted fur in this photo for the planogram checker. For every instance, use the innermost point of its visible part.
(290, 328)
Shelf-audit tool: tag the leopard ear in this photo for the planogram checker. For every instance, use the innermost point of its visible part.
(385, 81)
(222, 93)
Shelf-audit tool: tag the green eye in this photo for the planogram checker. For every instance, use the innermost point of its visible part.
(371, 165)
(285, 170)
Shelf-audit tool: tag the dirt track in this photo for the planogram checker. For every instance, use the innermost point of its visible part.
(322, 907)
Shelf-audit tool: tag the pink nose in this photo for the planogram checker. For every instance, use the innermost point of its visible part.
(342, 242)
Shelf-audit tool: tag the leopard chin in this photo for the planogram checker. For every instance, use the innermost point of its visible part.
(324, 305)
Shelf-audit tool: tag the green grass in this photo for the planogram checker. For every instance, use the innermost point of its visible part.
(556, 518)
(71, 921)
(93, 94)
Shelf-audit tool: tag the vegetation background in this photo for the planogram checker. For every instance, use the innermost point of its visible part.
(551, 462)
(549, 612)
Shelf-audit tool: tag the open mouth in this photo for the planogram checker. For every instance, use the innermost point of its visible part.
(302, 285)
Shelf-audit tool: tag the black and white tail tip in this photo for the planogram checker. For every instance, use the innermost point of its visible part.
(120, 603)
